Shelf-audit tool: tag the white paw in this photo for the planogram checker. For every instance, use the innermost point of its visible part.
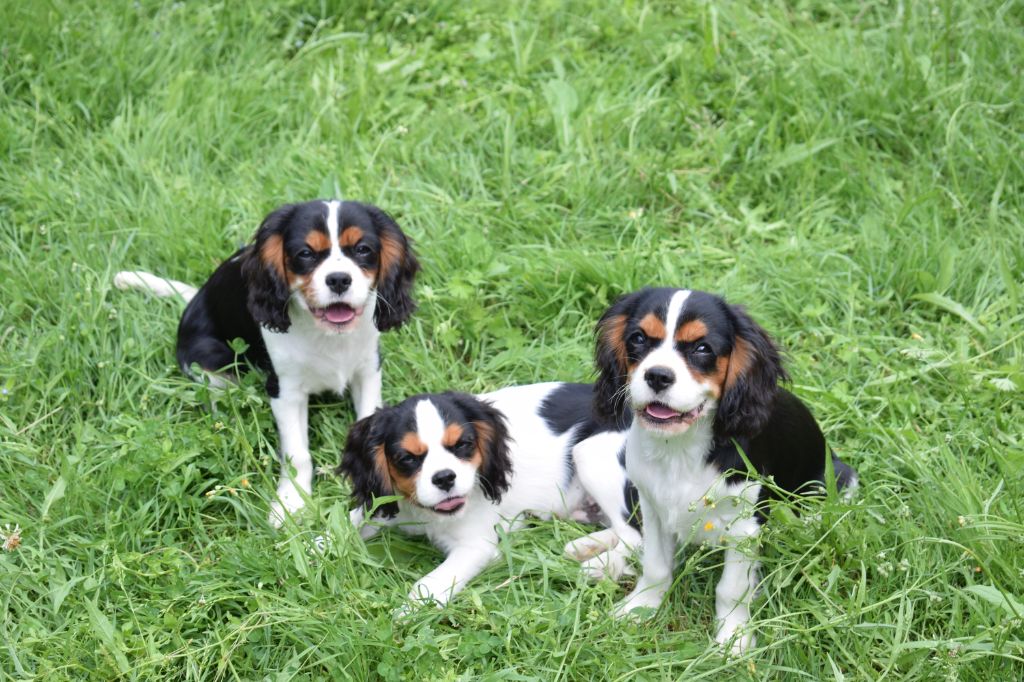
(612, 564)
(357, 517)
(589, 546)
(640, 604)
(730, 633)
(423, 594)
(288, 501)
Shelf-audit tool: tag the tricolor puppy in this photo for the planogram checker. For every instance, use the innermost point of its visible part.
(310, 297)
(463, 465)
(701, 380)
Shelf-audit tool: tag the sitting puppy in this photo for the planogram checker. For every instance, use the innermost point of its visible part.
(464, 464)
(309, 297)
(701, 381)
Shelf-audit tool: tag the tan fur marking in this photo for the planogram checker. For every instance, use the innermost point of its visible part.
(412, 443)
(714, 380)
(318, 241)
(380, 461)
(272, 255)
(484, 436)
(350, 236)
(690, 331)
(739, 362)
(611, 335)
(405, 485)
(652, 326)
(452, 434)
(391, 254)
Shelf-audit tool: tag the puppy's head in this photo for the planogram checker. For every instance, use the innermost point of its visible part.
(332, 260)
(433, 450)
(673, 357)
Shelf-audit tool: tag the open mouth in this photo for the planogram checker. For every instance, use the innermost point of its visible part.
(450, 505)
(660, 413)
(335, 315)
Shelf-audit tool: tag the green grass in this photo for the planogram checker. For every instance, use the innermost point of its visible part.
(852, 172)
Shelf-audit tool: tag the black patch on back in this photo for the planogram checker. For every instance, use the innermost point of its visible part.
(572, 406)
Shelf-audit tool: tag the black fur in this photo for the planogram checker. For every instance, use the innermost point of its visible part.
(747, 405)
(394, 290)
(245, 293)
(359, 464)
(387, 426)
(267, 298)
(497, 466)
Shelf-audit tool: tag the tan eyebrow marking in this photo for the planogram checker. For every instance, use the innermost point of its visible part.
(691, 331)
(411, 442)
(318, 241)
(652, 326)
(452, 434)
(350, 236)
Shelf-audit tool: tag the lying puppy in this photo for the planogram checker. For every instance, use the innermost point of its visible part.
(310, 297)
(700, 378)
(464, 464)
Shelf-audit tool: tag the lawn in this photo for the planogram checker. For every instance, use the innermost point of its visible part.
(852, 172)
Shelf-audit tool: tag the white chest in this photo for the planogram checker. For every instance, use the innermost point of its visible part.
(691, 499)
(310, 360)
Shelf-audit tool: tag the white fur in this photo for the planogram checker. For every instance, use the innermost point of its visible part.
(538, 487)
(683, 499)
(136, 279)
(307, 361)
(309, 358)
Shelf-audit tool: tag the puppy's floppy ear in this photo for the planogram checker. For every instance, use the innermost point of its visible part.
(611, 359)
(365, 464)
(398, 268)
(263, 269)
(491, 443)
(752, 379)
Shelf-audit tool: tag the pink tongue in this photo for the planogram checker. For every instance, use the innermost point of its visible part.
(450, 503)
(659, 411)
(339, 313)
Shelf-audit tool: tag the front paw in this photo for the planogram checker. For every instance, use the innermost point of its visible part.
(424, 594)
(640, 604)
(731, 634)
(288, 501)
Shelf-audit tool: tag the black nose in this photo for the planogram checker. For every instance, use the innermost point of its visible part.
(444, 479)
(338, 282)
(659, 378)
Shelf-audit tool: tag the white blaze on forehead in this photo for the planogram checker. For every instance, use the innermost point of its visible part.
(429, 423)
(333, 208)
(675, 309)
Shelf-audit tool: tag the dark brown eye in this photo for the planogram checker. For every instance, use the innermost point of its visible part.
(462, 447)
(304, 254)
(637, 339)
(363, 250)
(703, 349)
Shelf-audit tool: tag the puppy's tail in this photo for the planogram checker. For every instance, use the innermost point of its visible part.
(136, 279)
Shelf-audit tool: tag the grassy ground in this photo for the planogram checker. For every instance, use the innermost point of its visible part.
(851, 171)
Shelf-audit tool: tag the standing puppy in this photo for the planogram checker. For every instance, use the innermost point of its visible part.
(700, 378)
(309, 297)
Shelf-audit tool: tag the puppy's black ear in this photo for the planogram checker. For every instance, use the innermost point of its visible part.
(398, 268)
(365, 464)
(752, 379)
(263, 269)
(611, 359)
(491, 444)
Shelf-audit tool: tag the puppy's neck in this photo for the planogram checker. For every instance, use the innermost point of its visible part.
(694, 443)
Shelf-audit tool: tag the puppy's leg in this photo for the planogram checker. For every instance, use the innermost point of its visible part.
(291, 412)
(658, 560)
(462, 565)
(366, 391)
(604, 553)
(732, 597)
